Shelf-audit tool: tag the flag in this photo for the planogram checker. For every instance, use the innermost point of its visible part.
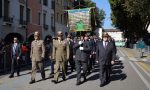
(79, 19)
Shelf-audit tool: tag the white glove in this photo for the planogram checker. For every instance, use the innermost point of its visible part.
(81, 48)
(80, 42)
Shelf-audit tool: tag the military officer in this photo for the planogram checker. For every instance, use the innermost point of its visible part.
(37, 54)
(60, 54)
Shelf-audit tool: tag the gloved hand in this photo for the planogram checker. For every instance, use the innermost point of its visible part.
(81, 48)
(80, 42)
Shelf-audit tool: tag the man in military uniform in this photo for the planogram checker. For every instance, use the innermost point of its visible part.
(60, 54)
(37, 56)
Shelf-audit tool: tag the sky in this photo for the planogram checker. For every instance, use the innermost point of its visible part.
(104, 4)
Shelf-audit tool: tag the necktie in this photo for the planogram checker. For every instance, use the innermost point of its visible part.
(105, 45)
(14, 49)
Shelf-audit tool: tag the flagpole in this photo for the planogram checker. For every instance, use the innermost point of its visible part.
(79, 8)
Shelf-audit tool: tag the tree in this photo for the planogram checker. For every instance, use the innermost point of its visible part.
(141, 9)
(131, 16)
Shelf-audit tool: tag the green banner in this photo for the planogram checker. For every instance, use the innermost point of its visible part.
(79, 19)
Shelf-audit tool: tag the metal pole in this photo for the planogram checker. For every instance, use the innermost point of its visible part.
(26, 18)
(4, 58)
(79, 8)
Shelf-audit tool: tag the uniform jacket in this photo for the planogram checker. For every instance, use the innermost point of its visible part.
(60, 51)
(37, 50)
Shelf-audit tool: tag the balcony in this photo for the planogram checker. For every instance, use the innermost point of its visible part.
(7, 20)
(22, 24)
(45, 27)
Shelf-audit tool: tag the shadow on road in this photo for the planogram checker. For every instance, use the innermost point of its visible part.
(116, 74)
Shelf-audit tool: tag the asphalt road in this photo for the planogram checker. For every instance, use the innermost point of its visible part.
(126, 75)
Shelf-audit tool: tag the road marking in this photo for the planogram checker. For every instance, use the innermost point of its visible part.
(140, 75)
(137, 71)
(144, 66)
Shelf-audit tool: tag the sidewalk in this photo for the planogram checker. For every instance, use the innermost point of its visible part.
(134, 56)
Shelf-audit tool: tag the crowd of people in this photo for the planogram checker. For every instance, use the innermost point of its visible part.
(78, 53)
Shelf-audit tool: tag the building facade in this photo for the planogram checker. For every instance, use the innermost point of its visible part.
(34, 18)
(21, 18)
(48, 18)
(61, 17)
(12, 19)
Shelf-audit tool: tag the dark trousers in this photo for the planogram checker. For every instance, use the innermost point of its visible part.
(79, 65)
(15, 64)
(52, 66)
(72, 64)
(104, 72)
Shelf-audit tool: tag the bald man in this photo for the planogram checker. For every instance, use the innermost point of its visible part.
(37, 55)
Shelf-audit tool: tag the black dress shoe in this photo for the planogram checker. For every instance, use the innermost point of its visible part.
(101, 85)
(84, 80)
(32, 81)
(43, 78)
(64, 79)
(11, 76)
(18, 74)
(54, 81)
(78, 83)
(108, 81)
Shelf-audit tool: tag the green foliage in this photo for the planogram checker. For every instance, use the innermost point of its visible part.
(97, 14)
(131, 16)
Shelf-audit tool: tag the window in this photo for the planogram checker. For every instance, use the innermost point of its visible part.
(0, 8)
(6, 8)
(21, 14)
(39, 18)
(53, 4)
(65, 19)
(44, 18)
(61, 18)
(52, 20)
(57, 17)
(45, 2)
(28, 15)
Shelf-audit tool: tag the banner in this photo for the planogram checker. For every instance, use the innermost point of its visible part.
(79, 19)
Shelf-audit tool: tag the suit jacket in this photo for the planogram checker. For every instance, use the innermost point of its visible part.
(70, 44)
(18, 50)
(105, 55)
(60, 51)
(37, 50)
(82, 55)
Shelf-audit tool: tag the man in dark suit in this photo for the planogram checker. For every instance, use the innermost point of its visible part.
(105, 55)
(82, 49)
(15, 57)
(70, 43)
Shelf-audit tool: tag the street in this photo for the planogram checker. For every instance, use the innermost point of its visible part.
(129, 73)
